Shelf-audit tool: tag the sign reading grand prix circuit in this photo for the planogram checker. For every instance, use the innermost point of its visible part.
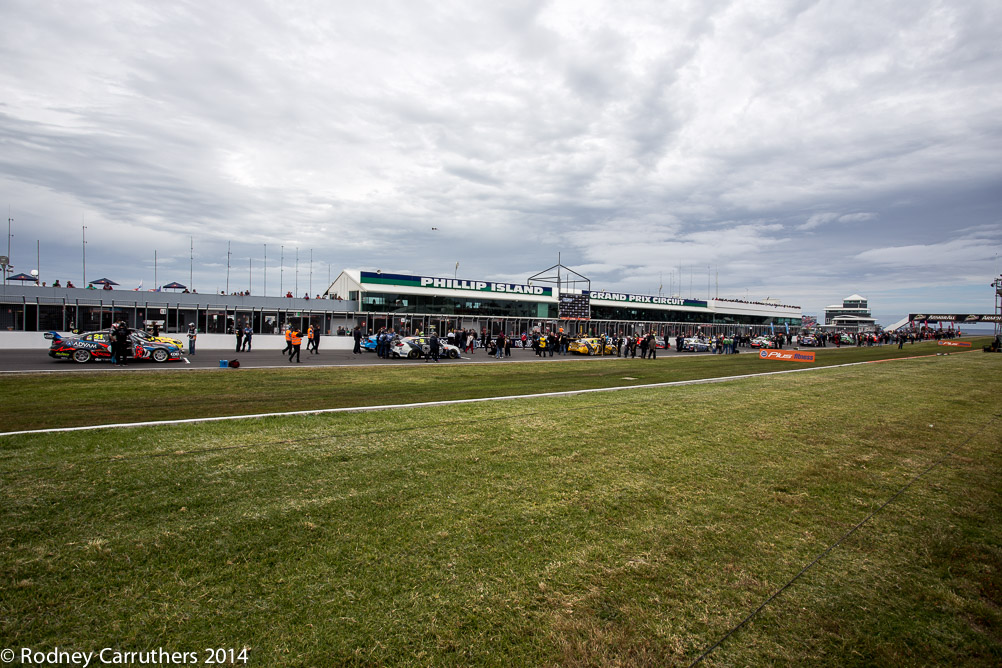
(646, 299)
(967, 318)
(786, 355)
(454, 284)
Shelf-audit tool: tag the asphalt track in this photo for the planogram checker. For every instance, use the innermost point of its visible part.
(34, 361)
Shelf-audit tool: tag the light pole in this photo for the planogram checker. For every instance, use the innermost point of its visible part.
(311, 272)
(228, 267)
(264, 290)
(7, 265)
(84, 284)
(281, 272)
(296, 284)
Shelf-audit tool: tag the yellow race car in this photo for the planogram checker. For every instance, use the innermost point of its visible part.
(143, 334)
(590, 347)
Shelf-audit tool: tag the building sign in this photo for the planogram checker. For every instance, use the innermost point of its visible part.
(967, 318)
(786, 355)
(372, 277)
(808, 322)
(574, 307)
(645, 299)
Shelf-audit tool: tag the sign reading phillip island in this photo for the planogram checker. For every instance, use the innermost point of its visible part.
(454, 284)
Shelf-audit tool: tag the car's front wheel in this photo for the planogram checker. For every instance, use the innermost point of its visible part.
(160, 355)
(81, 356)
(453, 354)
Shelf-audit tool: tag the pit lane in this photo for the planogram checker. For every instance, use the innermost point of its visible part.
(38, 361)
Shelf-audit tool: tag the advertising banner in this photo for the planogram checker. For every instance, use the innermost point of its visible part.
(956, 344)
(964, 318)
(786, 355)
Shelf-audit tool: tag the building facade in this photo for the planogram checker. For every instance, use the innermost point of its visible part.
(428, 302)
(406, 303)
(853, 314)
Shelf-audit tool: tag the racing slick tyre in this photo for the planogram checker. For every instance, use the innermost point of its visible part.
(453, 354)
(81, 356)
(160, 355)
(413, 355)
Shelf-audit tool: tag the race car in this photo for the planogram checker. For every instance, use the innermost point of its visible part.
(695, 344)
(762, 342)
(808, 338)
(413, 347)
(591, 347)
(369, 343)
(97, 346)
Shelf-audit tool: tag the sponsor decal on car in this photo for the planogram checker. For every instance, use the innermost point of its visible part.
(957, 344)
(786, 355)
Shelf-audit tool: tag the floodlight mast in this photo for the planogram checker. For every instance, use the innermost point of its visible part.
(997, 284)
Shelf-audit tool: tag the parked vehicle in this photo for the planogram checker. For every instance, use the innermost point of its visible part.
(413, 347)
(97, 346)
(591, 346)
(695, 344)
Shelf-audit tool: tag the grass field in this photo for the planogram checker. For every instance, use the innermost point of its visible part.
(629, 528)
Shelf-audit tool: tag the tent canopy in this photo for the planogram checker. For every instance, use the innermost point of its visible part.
(103, 281)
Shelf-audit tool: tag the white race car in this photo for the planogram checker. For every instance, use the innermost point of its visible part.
(413, 347)
(695, 344)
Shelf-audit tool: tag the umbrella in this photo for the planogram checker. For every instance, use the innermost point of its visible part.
(23, 277)
(174, 286)
(103, 281)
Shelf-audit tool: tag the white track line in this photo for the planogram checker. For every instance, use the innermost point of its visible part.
(423, 404)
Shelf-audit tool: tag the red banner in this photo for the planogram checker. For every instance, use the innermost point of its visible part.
(786, 355)
(957, 344)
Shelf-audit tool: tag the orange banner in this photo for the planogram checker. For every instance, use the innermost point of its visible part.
(957, 344)
(786, 355)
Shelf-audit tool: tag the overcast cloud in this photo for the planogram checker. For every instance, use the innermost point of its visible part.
(798, 150)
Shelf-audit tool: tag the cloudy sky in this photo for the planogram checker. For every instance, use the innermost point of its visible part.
(798, 150)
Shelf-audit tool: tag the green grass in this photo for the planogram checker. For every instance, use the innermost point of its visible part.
(632, 528)
(75, 399)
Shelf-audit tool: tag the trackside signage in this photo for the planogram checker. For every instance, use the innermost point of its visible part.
(956, 344)
(967, 318)
(786, 355)
(453, 284)
(645, 299)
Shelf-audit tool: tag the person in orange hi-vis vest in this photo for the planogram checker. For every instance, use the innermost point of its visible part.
(288, 340)
(295, 340)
